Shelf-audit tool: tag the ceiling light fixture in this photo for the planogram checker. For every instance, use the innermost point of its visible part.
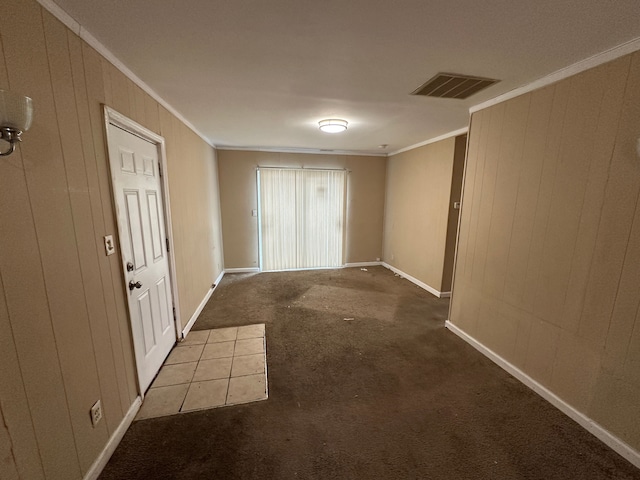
(16, 113)
(333, 125)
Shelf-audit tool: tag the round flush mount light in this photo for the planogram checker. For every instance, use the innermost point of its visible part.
(333, 125)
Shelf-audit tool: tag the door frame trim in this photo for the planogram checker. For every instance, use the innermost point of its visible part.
(112, 117)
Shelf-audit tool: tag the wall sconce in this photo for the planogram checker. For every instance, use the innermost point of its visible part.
(16, 114)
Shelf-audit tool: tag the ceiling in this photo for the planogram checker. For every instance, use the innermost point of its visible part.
(261, 74)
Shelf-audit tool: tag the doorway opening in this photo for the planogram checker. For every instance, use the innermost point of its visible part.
(301, 218)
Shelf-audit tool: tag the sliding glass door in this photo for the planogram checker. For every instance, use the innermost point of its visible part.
(301, 218)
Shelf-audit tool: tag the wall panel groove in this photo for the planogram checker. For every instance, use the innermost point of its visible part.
(62, 300)
(94, 146)
(103, 343)
(28, 18)
(569, 316)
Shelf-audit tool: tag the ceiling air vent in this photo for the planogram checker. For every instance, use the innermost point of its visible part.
(453, 85)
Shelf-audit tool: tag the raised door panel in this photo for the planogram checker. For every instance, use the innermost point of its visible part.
(136, 229)
(146, 321)
(127, 163)
(155, 225)
(162, 289)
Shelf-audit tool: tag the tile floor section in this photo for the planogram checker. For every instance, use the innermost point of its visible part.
(210, 368)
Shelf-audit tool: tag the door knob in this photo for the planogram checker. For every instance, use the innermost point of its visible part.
(129, 267)
(134, 285)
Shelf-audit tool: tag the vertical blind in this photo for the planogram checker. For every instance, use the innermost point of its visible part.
(301, 218)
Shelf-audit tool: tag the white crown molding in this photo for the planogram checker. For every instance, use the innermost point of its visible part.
(84, 34)
(302, 150)
(61, 15)
(581, 66)
(608, 438)
(593, 61)
(455, 133)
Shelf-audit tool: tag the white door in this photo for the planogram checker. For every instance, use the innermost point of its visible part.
(137, 189)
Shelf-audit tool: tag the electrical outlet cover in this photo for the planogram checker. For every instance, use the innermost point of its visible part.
(96, 413)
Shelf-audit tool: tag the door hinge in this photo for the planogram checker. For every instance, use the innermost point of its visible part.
(174, 314)
(167, 240)
(160, 169)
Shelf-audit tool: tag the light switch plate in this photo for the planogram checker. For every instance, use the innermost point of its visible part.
(109, 246)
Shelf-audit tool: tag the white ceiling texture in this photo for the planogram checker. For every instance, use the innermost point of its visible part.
(262, 73)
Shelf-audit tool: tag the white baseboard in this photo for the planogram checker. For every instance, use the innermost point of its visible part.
(619, 446)
(204, 301)
(416, 281)
(242, 270)
(218, 280)
(346, 265)
(362, 264)
(96, 468)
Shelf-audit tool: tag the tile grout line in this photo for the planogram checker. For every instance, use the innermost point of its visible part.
(233, 356)
(228, 377)
(194, 373)
(264, 350)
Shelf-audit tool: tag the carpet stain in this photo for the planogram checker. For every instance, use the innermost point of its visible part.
(348, 302)
(390, 395)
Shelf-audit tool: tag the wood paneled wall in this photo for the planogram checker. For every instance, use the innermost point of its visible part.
(64, 333)
(548, 267)
(419, 202)
(195, 212)
(238, 193)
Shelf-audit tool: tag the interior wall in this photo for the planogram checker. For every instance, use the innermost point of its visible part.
(195, 212)
(418, 202)
(238, 197)
(548, 265)
(65, 339)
